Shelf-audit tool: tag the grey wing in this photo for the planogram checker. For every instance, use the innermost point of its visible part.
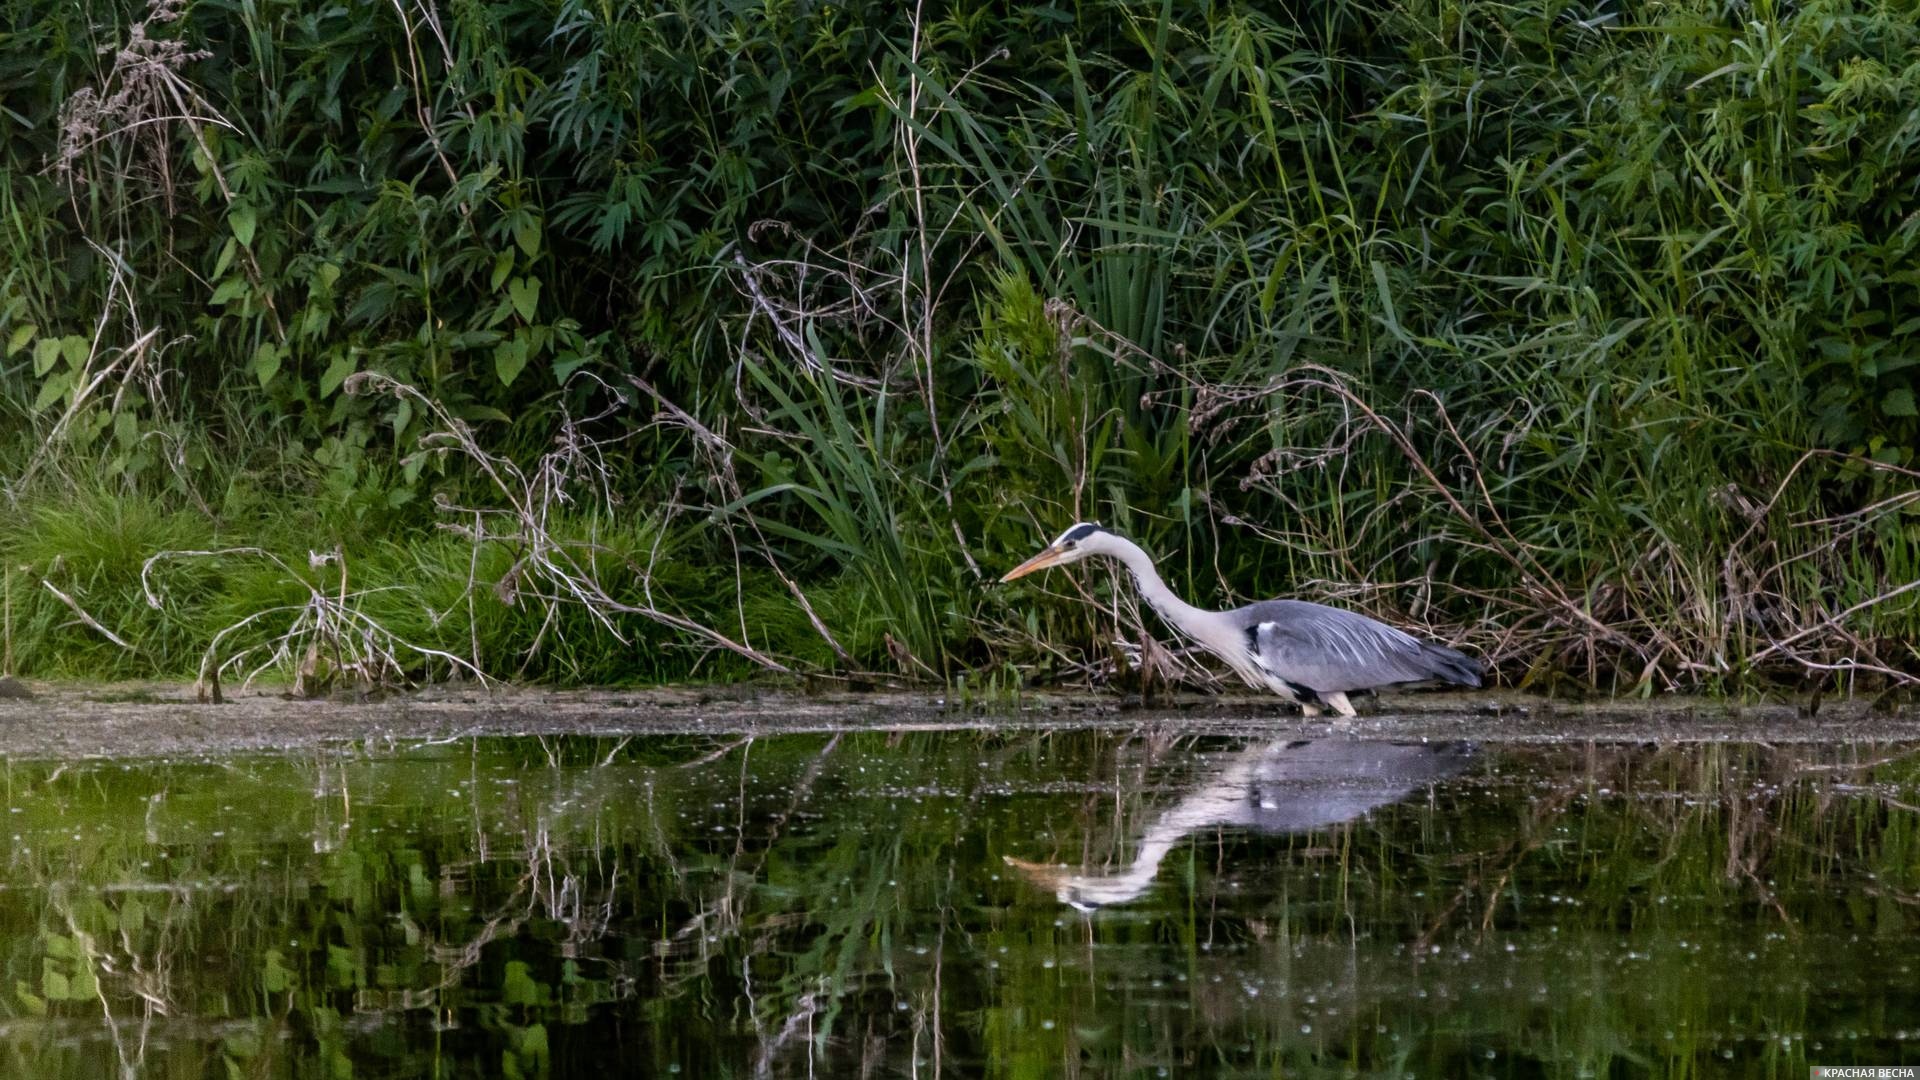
(1328, 650)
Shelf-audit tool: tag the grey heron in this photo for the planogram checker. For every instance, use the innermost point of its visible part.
(1310, 654)
(1277, 788)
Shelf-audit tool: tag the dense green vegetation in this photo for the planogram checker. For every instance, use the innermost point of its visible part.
(721, 335)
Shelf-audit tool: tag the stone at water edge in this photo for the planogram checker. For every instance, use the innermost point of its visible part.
(12, 689)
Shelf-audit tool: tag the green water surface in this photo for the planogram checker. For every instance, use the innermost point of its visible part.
(1087, 903)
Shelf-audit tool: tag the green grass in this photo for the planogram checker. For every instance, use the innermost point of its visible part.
(94, 546)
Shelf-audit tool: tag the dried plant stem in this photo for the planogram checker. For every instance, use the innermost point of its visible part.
(91, 622)
(542, 559)
(330, 622)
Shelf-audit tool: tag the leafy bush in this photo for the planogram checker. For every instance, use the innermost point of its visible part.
(1578, 332)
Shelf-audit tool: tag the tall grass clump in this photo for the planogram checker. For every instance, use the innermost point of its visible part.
(1580, 335)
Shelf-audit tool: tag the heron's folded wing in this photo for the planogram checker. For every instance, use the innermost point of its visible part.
(1327, 650)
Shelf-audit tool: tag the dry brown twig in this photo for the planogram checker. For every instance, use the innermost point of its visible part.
(326, 636)
(141, 97)
(132, 368)
(718, 454)
(79, 612)
(430, 19)
(547, 570)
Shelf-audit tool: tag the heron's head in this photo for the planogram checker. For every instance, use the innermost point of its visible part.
(1078, 542)
(1087, 893)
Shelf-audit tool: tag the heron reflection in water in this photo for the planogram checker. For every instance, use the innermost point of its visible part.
(1277, 787)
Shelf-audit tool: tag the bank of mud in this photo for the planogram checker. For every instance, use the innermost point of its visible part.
(153, 720)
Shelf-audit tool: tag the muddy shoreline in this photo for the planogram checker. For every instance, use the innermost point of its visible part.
(153, 720)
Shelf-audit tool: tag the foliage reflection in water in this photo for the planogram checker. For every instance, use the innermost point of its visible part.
(843, 904)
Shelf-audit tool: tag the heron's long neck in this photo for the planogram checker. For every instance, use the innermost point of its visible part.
(1220, 801)
(1177, 612)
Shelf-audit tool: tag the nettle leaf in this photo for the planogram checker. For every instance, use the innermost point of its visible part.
(526, 233)
(566, 364)
(313, 322)
(1899, 403)
(277, 978)
(510, 359)
(229, 290)
(84, 986)
(226, 256)
(53, 390)
(243, 219)
(45, 354)
(472, 339)
(336, 373)
(525, 295)
(519, 987)
(266, 362)
(36, 1005)
(55, 982)
(502, 267)
(19, 338)
(76, 349)
(489, 414)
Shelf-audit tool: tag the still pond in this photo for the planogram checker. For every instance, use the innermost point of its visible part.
(927, 903)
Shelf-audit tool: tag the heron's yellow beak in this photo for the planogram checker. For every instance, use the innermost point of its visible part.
(1038, 562)
(1044, 875)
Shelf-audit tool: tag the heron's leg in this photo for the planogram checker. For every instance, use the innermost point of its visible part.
(1339, 702)
(1309, 710)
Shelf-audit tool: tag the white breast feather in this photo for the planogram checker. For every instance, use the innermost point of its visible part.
(1259, 656)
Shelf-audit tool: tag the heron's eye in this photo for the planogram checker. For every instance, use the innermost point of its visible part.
(1069, 545)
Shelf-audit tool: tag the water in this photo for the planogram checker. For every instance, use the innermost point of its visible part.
(959, 904)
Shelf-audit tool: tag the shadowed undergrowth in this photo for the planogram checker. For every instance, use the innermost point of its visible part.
(600, 344)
